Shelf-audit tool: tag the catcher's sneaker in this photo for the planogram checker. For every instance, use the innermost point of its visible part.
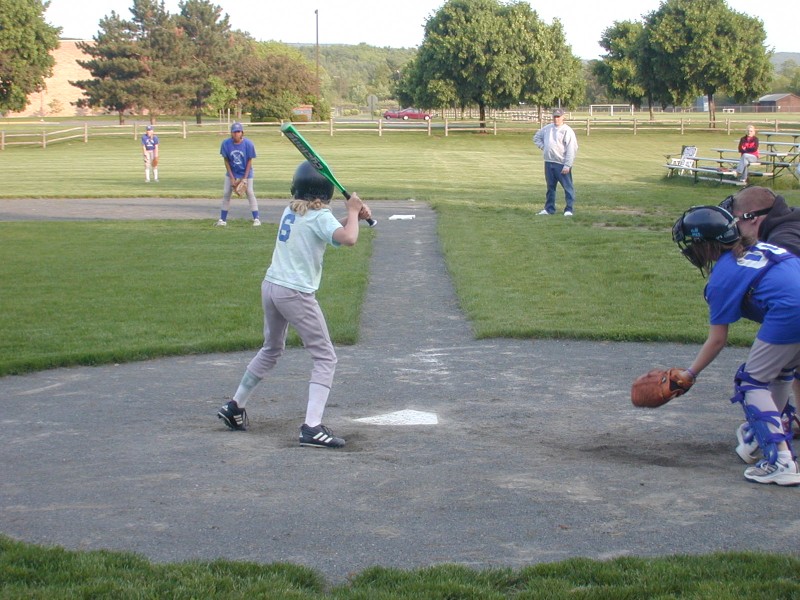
(319, 437)
(747, 449)
(256, 223)
(782, 473)
(233, 416)
(220, 223)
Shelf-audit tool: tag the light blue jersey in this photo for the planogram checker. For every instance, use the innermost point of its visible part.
(300, 247)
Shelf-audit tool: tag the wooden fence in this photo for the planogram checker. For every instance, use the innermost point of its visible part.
(44, 134)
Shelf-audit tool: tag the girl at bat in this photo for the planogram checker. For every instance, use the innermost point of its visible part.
(288, 297)
(760, 282)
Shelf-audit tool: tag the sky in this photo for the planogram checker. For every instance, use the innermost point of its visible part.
(400, 23)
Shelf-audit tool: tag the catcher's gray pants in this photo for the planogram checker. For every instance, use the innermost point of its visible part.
(765, 363)
(227, 190)
(284, 307)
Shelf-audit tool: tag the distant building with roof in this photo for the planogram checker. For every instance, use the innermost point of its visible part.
(783, 103)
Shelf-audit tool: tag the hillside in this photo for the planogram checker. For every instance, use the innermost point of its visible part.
(781, 57)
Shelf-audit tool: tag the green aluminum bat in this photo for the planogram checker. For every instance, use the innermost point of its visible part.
(316, 160)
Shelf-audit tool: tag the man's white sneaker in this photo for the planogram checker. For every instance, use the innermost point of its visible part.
(780, 473)
(220, 223)
(747, 449)
(256, 223)
(567, 213)
(543, 212)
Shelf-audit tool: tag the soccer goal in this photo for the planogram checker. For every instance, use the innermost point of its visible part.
(610, 108)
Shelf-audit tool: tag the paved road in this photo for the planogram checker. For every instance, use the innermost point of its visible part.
(536, 456)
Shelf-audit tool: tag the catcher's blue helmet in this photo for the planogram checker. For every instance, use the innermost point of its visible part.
(705, 224)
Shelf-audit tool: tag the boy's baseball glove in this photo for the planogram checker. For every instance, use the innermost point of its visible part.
(659, 386)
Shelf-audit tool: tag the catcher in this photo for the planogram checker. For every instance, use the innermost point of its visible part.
(760, 282)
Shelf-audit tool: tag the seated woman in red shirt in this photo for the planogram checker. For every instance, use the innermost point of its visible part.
(748, 148)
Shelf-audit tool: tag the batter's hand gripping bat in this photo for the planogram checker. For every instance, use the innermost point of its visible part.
(316, 160)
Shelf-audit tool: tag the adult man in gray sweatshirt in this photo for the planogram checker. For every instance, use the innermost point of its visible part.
(560, 147)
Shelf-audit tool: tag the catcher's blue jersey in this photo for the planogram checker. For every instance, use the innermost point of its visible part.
(238, 155)
(777, 292)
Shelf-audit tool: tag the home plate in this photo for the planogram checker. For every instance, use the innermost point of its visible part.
(402, 417)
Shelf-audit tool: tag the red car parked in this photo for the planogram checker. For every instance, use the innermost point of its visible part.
(406, 114)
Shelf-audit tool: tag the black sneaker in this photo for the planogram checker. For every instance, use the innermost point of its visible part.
(233, 416)
(319, 437)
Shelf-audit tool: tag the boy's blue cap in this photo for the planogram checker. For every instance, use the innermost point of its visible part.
(236, 127)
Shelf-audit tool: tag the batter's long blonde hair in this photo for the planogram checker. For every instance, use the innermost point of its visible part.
(301, 207)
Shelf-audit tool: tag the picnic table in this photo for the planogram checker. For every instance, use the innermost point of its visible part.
(719, 170)
(787, 151)
(777, 157)
(781, 151)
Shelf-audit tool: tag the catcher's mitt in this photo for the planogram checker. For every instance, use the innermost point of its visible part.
(241, 188)
(155, 162)
(659, 386)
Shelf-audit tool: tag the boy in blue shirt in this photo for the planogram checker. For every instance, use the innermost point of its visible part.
(238, 153)
(150, 151)
(761, 283)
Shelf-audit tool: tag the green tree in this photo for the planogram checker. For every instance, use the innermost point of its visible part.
(26, 42)
(222, 96)
(465, 53)
(134, 63)
(534, 44)
(561, 72)
(115, 67)
(704, 47)
(620, 68)
(206, 40)
(790, 76)
(596, 90)
(271, 79)
(420, 84)
(481, 52)
(163, 85)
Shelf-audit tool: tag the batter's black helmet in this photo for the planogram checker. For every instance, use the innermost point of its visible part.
(309, 184)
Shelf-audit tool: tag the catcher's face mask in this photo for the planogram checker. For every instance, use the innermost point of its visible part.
(685, 244)
(698, 227)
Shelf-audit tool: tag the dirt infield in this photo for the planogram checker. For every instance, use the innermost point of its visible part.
(536, 455)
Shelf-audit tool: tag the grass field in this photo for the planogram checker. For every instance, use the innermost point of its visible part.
(55, 574)
(113, 290)
(135, 290)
